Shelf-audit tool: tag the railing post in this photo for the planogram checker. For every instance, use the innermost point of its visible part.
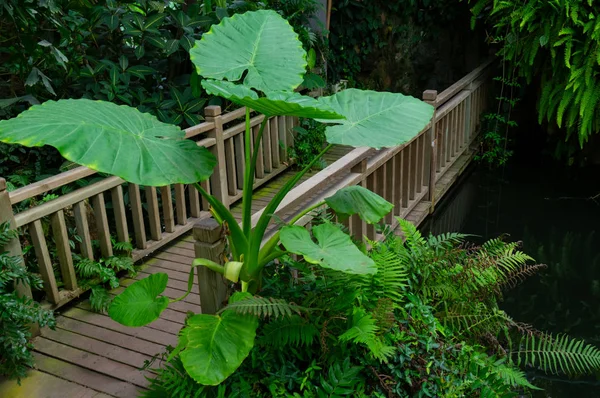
(430, 96)
(218, 180)
(210, 245)
(13, 248)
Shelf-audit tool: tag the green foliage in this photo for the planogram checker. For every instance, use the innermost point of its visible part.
(555, 43)
(309, 141)
(17, 313)
(264, 307)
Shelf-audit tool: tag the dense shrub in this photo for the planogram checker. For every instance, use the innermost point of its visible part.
(426, 324)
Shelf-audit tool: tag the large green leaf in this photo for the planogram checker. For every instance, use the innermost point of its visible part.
(375, 119)
(260, 42)
(274, 104)
(334, 249)
(358, 200)
(113, 139)
(140, 303)
(214, 346)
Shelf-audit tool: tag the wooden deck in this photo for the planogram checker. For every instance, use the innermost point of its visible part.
(90, 355)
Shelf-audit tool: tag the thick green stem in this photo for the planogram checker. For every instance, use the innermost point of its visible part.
(196, 263)
(264, 256)
(251, 158)
(240, 243)
(269, 211)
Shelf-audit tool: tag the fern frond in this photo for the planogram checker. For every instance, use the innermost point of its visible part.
(558, 354)
(265, 307)
(522, 273)
(364, 331)
(293, 330)
(514, 377)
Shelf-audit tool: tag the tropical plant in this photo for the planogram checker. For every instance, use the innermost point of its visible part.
(309, 141)
(17, 313)
(268, 64)
(550, 42)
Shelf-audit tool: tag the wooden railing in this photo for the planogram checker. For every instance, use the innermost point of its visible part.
(405, 175)
(149, 217)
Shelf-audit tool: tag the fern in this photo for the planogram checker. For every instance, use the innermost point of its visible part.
(99, 299)
(341, 380)
(265, 307)
(558, 354)
(364, 331)
(293, 330)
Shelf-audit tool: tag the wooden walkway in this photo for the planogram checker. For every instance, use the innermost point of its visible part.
(90, 355)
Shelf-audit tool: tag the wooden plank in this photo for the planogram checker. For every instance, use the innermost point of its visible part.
(412, 176)
(420, 156)
(63, 202)
(138, 216)
(398, 184)
(180, 207)
(153, 214)
(388, 189)
(91, 361)
(198, 129)
(107, 350)
(145, 333)
(174, 258)
(36, 232)
(133, 344)
(37, 384)
(83, 229)
(85, 377)
(371, 185)
(61, 239)
(206, 186)
(194, 198)
(48, 184)
(274, 133)
(230, 161)
(102, 224)
(120, 214)
(167, 207)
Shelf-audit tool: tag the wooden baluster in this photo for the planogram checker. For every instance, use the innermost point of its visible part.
(413, 170)
(206, 186)
(116, 194)
(290, 123)
(218, 180)
(13, 247)
(260, 162)
(357, 224)
(371, 185)
(153, 213)
(240, 163)
(405, 177)
(419, 159)
(389, 187)
(102, 225)
(44, 262)
(230, 163)
(266, 148)
(274, 130)
(180, 204)
(431, 165)
(456, 129)
(398, 181)
(167, 206)
(65, 259)
(194, 197)
(83, 230)
(139, 228)
(283, 138)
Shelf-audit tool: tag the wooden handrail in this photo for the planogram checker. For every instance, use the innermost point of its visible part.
(460, 85)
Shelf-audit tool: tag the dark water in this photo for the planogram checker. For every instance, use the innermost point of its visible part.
(549, 208)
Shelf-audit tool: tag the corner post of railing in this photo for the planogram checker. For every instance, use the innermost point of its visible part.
(13, 248)
(430, 97)
(218, 180)
(210, 244)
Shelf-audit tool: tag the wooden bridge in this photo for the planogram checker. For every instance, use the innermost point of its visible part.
(89, 355)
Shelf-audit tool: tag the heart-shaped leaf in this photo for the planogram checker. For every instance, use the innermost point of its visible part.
(214, 346)
(260, 42)
(375, 119)
(112, 139)
(274, 104)
(140, 303)
(334, 249)
(359, 200)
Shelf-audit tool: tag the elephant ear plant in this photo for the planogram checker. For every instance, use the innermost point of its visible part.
(256, 60)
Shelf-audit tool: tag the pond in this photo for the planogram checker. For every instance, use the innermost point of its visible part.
(550, 208)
